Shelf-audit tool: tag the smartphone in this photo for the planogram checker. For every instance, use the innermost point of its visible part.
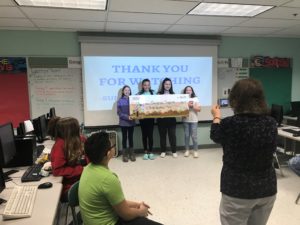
(223, 102)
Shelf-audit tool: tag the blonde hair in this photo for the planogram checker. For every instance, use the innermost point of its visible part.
(68, 129)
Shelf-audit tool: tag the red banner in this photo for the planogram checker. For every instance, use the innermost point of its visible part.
(14, 99)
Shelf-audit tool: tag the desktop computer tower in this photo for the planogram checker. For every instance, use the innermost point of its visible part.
(26, 150)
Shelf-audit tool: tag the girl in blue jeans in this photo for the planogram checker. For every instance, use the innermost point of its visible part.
(191, 122)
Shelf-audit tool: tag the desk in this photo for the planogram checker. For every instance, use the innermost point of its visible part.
(45, 205)
(291, 121)
(290, 136)
(290, 118)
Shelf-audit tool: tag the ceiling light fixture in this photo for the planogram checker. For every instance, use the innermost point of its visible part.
(73, 4)
(220, 9)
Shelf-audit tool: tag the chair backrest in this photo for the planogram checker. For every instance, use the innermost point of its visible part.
(73, 195)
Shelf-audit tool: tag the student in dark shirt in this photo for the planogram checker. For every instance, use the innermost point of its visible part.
(167, 126)
(248, 138)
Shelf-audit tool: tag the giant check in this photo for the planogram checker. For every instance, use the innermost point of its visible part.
(158, 106)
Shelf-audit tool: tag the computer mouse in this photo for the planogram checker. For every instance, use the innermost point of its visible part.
(45, 185)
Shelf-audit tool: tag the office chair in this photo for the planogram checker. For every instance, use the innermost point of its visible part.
(277, 161)
(73, 203)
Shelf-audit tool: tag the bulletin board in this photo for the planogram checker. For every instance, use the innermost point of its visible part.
(14, 99)
(277, 84)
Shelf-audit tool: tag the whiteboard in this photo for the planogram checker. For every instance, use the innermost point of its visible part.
(56, 87)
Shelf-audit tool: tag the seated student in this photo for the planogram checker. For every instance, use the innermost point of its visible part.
(67, 154)
(101, 197)
(51, 131)
(294, 164)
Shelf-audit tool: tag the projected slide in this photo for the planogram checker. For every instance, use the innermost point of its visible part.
(105, 76)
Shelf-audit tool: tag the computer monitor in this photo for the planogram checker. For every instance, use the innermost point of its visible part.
(295, 108)
(2, 183)
(21, 129)
(52, 112)
(277, 113)
(40, 128)
(7, 144)
(25, 128)
(2, 180)
(28, 127)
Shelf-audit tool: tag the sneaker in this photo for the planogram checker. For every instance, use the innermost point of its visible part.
(145, 156)
(175, 155)
(187, 153)
(195, 154)
(163, 154)
(151, 156)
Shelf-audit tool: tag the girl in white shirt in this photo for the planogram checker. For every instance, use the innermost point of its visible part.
(191, 122)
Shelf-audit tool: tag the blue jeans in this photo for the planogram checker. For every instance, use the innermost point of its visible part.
(190, 130)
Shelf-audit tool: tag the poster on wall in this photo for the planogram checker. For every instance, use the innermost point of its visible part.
(14, 98)
(158, 106)
(270, 62)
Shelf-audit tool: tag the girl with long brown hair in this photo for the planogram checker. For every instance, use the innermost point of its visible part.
(67, 155)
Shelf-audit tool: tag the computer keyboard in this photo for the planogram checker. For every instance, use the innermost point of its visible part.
(32, 173)
(20, 203)
(292, 131)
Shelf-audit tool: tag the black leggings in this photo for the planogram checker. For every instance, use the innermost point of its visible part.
(147, 126)
(137, 221)
(167, 126)
(127, 132)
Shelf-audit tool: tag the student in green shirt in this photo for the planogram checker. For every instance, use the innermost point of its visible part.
(101, 197)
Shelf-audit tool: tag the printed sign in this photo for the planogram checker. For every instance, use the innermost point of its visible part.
(12, 65)
(158, 106)
(265, 61)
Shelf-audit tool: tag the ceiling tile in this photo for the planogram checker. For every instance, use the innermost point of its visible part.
(11, 12)
(18, 28)
(253, 2)
(156, 16)
(8, 3)
(64, 14)
(153, 6)
(211, 20)
(6, 22)
(257, 22)
(251, 30)
(70, 30)
(80, 25)
(281, 13)
(142, 18)
(295, 3)
(290, 31)
(136, 27)
(196, 29)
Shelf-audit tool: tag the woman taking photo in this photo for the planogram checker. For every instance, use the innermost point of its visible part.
(248, 138)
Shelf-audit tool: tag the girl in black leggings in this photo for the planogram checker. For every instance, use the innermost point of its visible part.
(147, 125)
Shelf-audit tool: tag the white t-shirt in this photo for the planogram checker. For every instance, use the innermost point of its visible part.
(193, 115)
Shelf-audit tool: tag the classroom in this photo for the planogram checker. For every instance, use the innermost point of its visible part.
(73, 61)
